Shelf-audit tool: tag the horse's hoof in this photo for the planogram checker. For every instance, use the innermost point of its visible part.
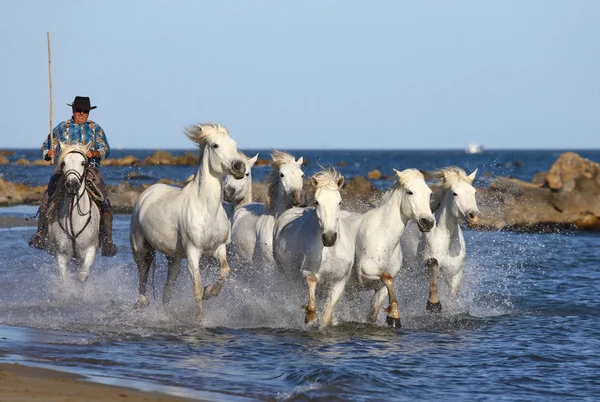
(393, 322)
(140, 304)
(310, 316)
(435, 308)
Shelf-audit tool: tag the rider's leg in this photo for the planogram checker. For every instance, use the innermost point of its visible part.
(109, 248)
(38, 240)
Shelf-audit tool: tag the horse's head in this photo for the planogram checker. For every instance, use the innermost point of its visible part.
(218, 149)
(236, 190)
(415, 194)
(454, 190)
(284, 182)
(72, 162)
(327, 184)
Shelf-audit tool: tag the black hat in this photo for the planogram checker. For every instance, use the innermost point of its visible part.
(82, 103)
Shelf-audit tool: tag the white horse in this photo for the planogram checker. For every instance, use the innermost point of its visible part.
(238, 192)
(74, 217)
(252, 227)
(378, 256)
(315, 242)
(187, 222)
(442, 251)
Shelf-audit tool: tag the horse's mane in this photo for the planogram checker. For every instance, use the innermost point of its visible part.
(326, 179)
(444, 179)
(201, 133)
(66, 149)
(401, 179)
(272, 179)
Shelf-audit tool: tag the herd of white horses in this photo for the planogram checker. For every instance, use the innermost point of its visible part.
(318, 246)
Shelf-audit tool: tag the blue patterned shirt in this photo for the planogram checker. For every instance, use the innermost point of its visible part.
(70, 132)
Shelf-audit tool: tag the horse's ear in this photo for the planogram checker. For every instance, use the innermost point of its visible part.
(88, 146)
(314, 182)
(472, 176)
(299, 161)
(340, 182)
(398, 173)
(61, 144)
(252, 160)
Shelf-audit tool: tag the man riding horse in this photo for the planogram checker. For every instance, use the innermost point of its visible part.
(78, 129)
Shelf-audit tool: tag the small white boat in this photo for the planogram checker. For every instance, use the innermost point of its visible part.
(474, 148)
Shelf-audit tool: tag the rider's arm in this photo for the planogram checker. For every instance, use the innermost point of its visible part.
(101, 143)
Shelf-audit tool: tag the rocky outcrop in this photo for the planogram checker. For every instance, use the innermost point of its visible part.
(567, 197)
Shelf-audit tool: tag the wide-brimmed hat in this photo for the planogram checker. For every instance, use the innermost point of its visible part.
(82, 103)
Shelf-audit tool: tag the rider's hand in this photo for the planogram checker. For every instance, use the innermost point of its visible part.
(93, 154)
(50, 154)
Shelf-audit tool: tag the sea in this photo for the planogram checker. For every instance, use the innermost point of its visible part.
(526, 325)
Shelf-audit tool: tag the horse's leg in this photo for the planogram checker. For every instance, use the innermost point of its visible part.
(214, 290)
(376, 300)
(62, 261)
(455, 285)
(172, 275)
(334, 295)
(311, 307)
(86, 263)
(193, 263)
(143, 258)
(393, 315)
(433, 303)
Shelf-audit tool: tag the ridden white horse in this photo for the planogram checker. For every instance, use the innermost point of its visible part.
(317, 243)
(74, 217)
(378, 256)
(252, 227)
(238, 192)
(442, 251)
(188, 222)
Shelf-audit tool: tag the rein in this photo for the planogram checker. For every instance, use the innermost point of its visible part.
(76, 202)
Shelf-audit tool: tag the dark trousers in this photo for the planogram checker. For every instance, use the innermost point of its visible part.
(92, 176)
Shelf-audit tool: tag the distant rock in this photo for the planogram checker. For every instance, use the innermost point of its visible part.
(4, 160)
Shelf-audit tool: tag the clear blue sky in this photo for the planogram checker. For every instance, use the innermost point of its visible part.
(308, 74)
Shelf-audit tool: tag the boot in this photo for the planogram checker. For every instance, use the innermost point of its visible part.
(38, 240)
(109, 249)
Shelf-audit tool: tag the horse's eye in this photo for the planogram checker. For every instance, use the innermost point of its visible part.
(247, 174)
(215, 145)
(316, 202)
(62, 164)
(302, 174)
(340, 203)
(454, 194)
(409, 192)
(82, 163)
(281, 175)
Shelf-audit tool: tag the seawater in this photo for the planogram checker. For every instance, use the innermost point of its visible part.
(526, 326)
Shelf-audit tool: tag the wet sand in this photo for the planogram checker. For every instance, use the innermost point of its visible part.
(19, 383)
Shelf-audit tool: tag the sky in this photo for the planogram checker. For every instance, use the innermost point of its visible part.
(308, 74)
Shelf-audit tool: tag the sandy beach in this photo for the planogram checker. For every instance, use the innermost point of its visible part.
(19, 383)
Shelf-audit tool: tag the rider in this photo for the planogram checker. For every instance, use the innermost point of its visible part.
(78, 129)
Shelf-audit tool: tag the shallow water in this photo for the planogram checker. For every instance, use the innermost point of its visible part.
(526, 327)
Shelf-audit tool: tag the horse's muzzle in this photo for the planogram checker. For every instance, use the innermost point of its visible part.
(425, 224)
(238, 169)
(472, 218)
(72, 185)
(329, 239)
(228, 194)
(296, 198)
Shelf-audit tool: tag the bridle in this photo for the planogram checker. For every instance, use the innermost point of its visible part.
(76, 202)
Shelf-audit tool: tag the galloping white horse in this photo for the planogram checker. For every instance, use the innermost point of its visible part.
(442, 251)
(252, 227)
(74, 216)
(187, 222)
(238, 192)
(378, 256)
(314, 241)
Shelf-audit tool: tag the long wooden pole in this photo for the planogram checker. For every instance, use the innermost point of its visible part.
(50, 83)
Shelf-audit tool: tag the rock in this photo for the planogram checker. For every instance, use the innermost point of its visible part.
(7, 152)
(22, 161)
(571, 166)
(128, 160)
(3, 160)
(262, 162)
(342, 163)
(374, 175)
